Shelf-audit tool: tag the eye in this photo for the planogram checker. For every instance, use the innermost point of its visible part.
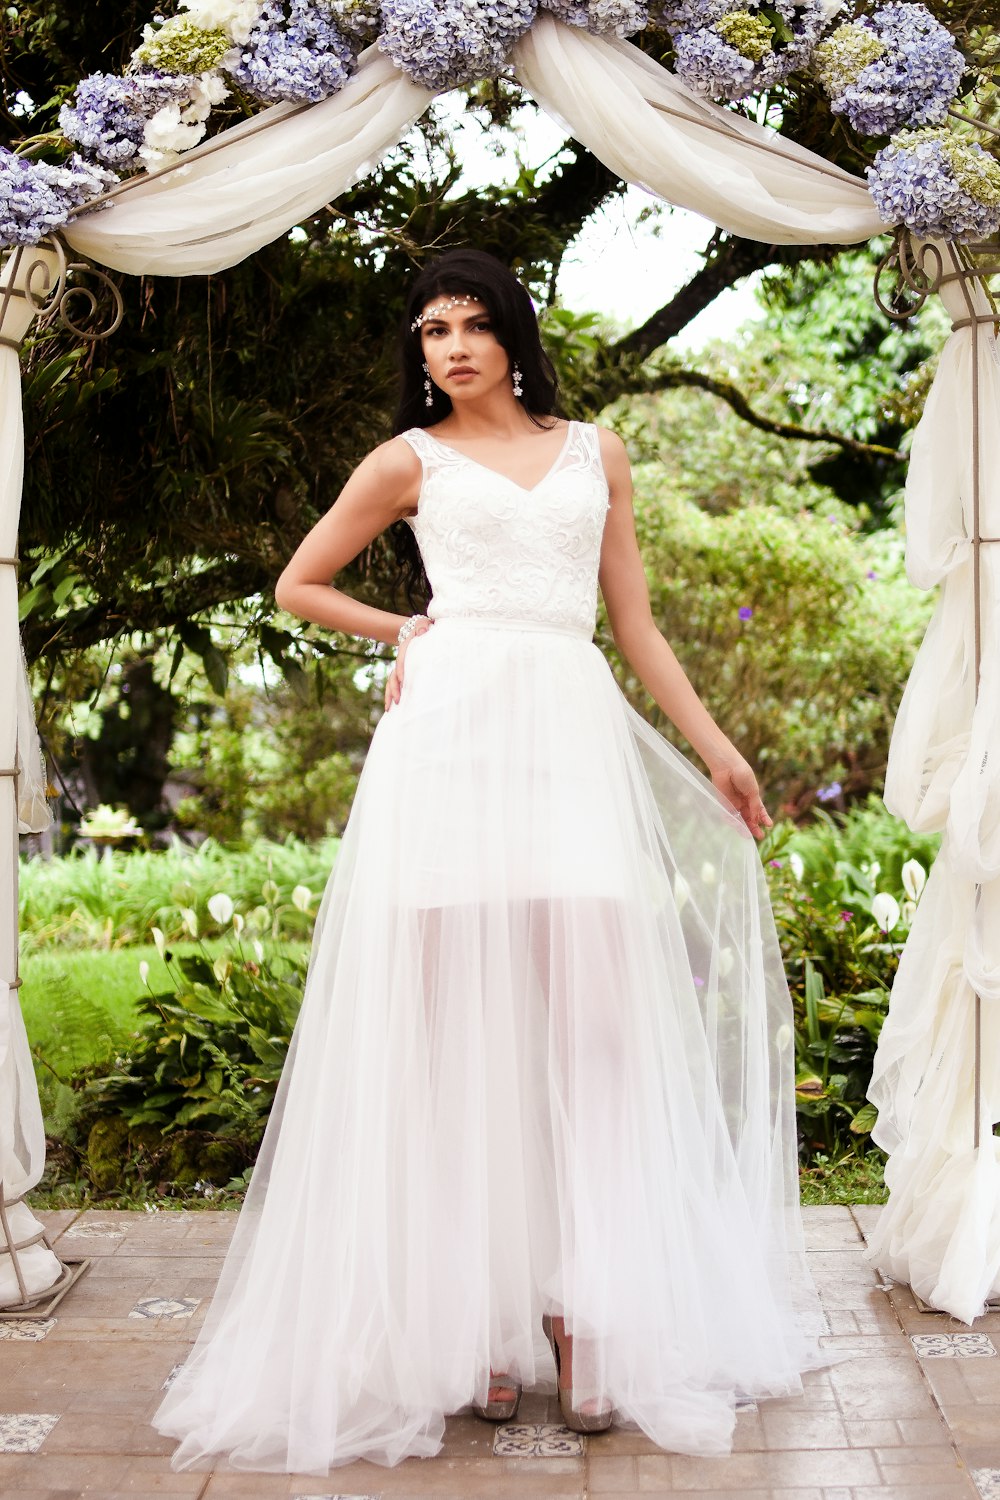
(484, 325)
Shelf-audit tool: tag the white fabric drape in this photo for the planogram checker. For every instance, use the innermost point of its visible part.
(254, 183)
(229, 199)
(941, 1229)
(22, 1138)
(648, 127)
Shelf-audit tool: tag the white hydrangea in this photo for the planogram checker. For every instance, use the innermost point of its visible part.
(178, 126)
(235, 17)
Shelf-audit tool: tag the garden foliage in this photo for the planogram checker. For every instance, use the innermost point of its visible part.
(175, 1101)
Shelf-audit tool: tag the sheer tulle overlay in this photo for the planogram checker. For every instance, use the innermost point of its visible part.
(544, 1057)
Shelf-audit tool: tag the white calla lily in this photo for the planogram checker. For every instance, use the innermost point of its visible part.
(914, 879)
(159, 940)
(258, 948)
(682, 891)
(238, 923)
(302, 897)
(221, 908)
(796, 864)
(885, 910)
(144, 971)
(189, 921)
(222, 968)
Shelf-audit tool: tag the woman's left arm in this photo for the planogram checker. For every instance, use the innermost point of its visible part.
(626, 595)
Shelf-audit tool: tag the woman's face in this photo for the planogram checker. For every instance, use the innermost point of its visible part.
(461, 350)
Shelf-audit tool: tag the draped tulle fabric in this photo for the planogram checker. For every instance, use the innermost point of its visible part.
(544, 1057)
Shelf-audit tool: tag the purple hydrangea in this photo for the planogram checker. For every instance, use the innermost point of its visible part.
(745, 612)
(441, 44)
(36, 198)
(937, 186)
(295, 51)
(726, 50)
(913, 81)
(622, 17)
(710, 67)
(109, 114)
(828, 793)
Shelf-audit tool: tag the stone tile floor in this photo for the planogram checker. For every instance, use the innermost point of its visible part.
(912, 1414)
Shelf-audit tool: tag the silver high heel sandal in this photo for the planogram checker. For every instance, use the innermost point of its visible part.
(499, 1411)
(575, 1420)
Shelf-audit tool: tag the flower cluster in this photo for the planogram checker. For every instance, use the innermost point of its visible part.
(235, 17)
(181, 45)
(109, 115)
(295, 51)
(441, 44)
(361, 19)
(181, 125)
(897, 69)
(938, 185)
(621, 17)
(35, 198)
(726, 50)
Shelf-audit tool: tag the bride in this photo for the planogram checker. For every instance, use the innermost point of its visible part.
(537, 1118)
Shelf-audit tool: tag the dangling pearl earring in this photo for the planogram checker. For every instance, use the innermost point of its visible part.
(517, 378)
(429, 397)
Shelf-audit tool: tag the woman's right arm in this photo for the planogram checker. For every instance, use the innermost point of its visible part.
(382, 489)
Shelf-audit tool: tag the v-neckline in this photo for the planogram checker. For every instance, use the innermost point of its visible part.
(525, 489)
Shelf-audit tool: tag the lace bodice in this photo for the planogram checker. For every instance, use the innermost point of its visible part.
(494, 549)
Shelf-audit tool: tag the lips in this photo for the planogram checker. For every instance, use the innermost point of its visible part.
(461, 370)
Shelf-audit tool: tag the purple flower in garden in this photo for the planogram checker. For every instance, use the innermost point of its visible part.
(828, 793)
(36, 198)
(295, 51)
(621, 17)
(898, 68)
(938, 185)
(846, 916)
(775, 863)
(108, 116)
(872, 573)
(745, 612)
(441, 44)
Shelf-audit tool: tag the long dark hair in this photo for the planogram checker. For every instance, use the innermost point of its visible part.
(465, 273)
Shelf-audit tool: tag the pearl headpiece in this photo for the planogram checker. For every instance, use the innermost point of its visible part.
(441, 307)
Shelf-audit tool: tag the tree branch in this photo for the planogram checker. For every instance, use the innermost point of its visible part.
(145, 610)
(663, 380)
(728, 262)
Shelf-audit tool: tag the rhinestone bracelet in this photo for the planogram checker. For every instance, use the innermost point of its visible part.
(409, 627)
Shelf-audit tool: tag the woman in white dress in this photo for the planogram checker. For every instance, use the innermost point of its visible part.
(538, 1113)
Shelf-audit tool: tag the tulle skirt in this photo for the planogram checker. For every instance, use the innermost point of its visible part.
(543, 1064)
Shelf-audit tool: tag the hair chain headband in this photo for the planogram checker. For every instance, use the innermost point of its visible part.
(441, 307)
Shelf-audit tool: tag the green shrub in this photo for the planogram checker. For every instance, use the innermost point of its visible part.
(841, 953)
(80, 900)
(806, 680)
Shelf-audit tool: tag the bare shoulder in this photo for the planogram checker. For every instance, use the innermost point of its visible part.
(614, 456)
(394, 462)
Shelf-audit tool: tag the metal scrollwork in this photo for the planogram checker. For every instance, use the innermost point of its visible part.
(79, 296)
(918, 270)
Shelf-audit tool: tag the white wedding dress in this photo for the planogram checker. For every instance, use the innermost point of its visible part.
(544, 1060)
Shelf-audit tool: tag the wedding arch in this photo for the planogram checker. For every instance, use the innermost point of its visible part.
(937, 1072)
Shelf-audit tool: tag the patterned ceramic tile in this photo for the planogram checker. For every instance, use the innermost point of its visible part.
(170, 1380)
(953, 1346)
(745, 1403)
(164, 1307)
(336, 1497)
(536, 1440)
(26, 1330)
(24, 1432)
(987, 1482)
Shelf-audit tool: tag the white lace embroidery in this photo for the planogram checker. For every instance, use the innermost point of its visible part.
(493, 549)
